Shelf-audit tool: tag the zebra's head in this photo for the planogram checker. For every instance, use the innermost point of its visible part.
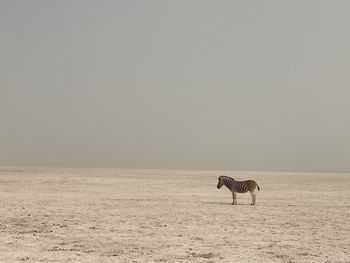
(220, 183)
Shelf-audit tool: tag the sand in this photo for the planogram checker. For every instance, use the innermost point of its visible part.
(106, 215)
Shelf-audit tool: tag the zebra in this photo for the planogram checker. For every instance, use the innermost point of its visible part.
(238, 187)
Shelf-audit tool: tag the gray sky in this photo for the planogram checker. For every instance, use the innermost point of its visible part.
(240, 85)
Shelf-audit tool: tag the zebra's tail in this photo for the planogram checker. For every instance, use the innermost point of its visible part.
(258, 187)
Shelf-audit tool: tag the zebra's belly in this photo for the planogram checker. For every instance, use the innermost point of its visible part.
(241, 191)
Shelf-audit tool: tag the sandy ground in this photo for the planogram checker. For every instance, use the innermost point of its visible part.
(100, 215)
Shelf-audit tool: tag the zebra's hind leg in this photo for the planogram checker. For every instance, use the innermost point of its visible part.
(253, 197)
(234, 202)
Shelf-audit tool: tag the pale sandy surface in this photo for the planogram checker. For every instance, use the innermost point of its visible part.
(77, 215)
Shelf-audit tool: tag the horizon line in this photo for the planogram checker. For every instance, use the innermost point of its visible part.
(169, 169)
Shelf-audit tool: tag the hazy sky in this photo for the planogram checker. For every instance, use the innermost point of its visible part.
(239, 85)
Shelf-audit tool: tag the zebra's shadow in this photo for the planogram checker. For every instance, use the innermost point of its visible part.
(224, 203)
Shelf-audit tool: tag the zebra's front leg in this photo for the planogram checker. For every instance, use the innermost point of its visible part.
(253, 198)
(234, 198)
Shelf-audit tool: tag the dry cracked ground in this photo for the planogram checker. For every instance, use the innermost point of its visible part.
(111, 215)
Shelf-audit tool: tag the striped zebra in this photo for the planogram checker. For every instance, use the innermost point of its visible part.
(238, 187)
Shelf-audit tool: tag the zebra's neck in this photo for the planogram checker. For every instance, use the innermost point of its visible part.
(229, 182)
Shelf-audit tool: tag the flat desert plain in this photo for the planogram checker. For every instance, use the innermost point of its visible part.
(110, 215)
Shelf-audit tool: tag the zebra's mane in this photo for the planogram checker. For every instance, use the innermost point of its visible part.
(226, 177)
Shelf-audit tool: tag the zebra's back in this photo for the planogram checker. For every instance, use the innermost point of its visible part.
(245, 186)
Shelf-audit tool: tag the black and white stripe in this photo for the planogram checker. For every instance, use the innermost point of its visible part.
(238, 187)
